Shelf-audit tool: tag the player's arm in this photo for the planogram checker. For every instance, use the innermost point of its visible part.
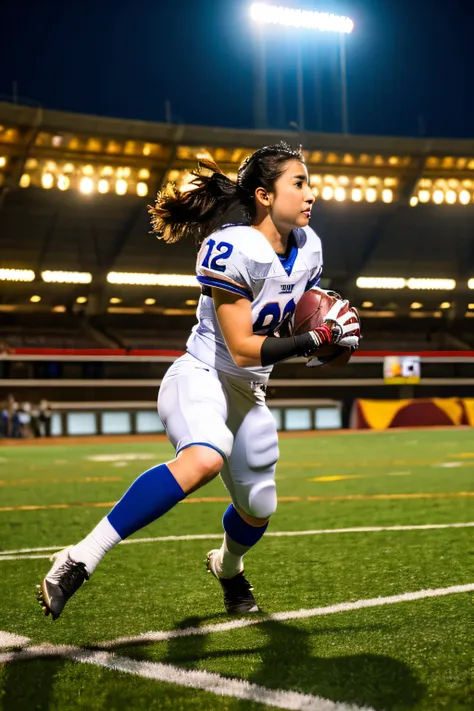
(234, 314)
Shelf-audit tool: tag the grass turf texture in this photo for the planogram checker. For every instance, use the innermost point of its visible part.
(410, 655)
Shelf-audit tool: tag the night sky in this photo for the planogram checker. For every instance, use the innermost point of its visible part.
(409, 62)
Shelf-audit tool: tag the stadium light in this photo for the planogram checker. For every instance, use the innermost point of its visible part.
(307, 19)
(432, 284)
(371, 195)
(81, 300)
(86, 186)
(121, 186)
(17, 275)
(35, 299)
(149, 302)
(66, 277)
(445, 305)
(103, 186)
(63, 182)
(380, 283)
(470, 284)
(133, 278)
(47, 181)
(265, 14)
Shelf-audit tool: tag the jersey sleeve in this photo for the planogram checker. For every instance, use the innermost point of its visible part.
(221, 264)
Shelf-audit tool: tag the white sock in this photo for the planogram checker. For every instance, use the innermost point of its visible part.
(230, 559)
(93, 547)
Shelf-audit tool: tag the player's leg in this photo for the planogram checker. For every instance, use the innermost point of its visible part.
(250, 478)
(193, 406)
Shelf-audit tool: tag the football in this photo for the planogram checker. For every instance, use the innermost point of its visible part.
(310, 313)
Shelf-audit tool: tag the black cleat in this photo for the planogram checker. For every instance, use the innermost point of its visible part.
(238, 597)
(65, 577)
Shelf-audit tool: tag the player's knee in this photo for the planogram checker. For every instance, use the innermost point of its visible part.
(262, 500)
(196, 465)
(206, 460)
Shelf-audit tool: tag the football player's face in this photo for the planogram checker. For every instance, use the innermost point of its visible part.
(292, 197)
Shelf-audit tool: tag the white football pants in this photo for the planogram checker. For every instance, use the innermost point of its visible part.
(198, 404)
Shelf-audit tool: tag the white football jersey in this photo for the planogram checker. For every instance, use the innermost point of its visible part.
(239, 259)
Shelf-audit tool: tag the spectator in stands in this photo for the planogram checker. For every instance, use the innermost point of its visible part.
(25, 420)
(10, 421)
(44, 419)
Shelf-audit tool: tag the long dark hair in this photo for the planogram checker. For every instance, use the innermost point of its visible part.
(198, 212)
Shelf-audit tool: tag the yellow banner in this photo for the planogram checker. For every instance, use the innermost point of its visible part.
(469, 408)
(379, 414)
(452, 407)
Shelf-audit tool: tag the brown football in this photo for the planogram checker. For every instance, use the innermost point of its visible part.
(310, 313)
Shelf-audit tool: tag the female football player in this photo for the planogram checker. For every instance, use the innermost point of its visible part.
(212, 399)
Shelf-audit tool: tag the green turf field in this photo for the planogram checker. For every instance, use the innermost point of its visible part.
(389, 654)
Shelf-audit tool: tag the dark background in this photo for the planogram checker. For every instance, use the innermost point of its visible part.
(410, 63)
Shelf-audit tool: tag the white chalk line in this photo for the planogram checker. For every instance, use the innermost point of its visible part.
(7, 639)
(23, 553)
(163, 635)
(209, 681)
(206, 681)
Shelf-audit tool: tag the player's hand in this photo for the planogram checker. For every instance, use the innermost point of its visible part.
(344, 324)
(316, 361)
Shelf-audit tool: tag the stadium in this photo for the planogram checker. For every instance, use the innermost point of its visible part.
(363, 580)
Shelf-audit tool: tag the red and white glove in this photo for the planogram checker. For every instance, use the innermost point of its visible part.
(340, 327)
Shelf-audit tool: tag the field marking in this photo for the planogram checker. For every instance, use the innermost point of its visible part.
(226, 500)
(7, 639)
(120, 457)
(205, 681)
(371, 464)
(209, 681)
(338, 477)
(164, 635)
(62, 480)
(20, 553)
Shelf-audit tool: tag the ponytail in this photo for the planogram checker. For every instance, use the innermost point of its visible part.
(197, 212)
(200, 211)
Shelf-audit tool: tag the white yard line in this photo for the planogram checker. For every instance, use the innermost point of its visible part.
(7, 639)
(208, 681)
(283, 616)
(205, 681)
(21, 553)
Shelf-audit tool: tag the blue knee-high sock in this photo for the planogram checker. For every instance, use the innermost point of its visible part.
(239, 530)
(150, 496)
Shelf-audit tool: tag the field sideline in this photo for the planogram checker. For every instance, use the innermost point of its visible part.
(365, 581)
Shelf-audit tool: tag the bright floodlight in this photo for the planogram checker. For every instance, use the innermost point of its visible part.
(152, 279)
(442, 284)
(287, 17)
(380, 282)
(17, 275)
(66, 277)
